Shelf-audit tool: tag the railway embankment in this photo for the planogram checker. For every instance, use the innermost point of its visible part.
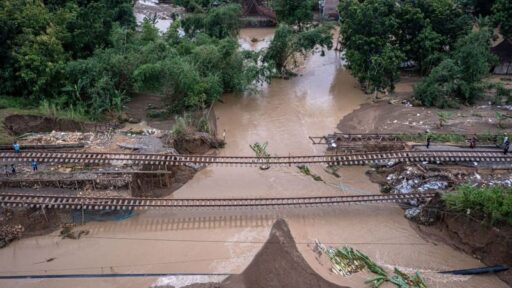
(471, 230)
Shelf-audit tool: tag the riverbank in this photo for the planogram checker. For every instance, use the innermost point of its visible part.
(396, 114)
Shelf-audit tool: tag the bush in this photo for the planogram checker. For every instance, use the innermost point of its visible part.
(492, 204)
(458, 80)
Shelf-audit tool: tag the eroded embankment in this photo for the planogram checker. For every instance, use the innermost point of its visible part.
(18, 223)
(21, 124)
(73, 179)
(491, 245)
(434, 222)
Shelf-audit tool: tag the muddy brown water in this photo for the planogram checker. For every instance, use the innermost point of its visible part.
(284, 114)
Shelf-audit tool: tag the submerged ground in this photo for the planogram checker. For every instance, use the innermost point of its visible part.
(284, 114)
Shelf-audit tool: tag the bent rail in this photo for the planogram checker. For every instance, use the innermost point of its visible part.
(13, 200)
(247, 161)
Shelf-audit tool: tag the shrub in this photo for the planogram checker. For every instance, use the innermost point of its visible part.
(493, 204)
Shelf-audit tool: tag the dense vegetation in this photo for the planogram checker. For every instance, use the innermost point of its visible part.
(458, 78)
(435, 35)
(492, 204)
(87, 56)
(296, 35)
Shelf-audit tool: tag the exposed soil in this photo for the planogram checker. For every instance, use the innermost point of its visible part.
(277, 264)
(491, 245)
(139, 106)
(168, 183)
(196, 143)
(20, 124)
(395, 114)
(383, 117)
(19, 223)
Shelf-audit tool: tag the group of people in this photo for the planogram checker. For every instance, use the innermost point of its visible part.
(472, 142)
(12, 169)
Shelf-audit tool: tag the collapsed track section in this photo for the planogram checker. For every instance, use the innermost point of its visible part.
(247, 161)
(12, 200)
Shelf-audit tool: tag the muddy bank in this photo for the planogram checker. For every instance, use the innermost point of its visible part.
(432, 220)
(21, 124)
(489, 244)
(196, 143)
(383, 117)
(277, 264)
(20, 222)
(160, 185)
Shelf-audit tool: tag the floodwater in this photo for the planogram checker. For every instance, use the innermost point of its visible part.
(284, 114)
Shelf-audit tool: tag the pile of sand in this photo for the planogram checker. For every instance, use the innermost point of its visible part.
(277, 264)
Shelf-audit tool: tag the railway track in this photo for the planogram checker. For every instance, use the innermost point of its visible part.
(388, 137)
(247, 161)
(12, 200)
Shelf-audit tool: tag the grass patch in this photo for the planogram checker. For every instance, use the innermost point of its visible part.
(491, 204)
(16, 102)
(450, 138)
(71, 113)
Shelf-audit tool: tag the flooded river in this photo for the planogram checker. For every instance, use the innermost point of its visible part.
(284, 114)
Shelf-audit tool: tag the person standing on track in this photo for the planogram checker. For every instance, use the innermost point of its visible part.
(13, 170)
(429, 138)
(507, 146)
(472, 142)
(16, 147)
(34, 165)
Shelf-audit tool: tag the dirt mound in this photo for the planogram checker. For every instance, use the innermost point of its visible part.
(21, 124)
(277, 264)
(161, 185)
(196, 143)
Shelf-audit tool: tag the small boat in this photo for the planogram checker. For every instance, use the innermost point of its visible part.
(481, 270)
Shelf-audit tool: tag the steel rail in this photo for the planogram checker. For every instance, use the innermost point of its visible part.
(248, 161)
(13, 200)
(387, 137)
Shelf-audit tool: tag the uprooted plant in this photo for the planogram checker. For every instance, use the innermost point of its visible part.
(261, 152)
(346, 261)
(306, 171)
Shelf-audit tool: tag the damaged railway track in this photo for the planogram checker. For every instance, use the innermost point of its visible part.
(13, 200)
(436, 156)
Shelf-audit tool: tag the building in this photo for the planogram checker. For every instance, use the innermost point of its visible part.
(504, 53)
(329, 8)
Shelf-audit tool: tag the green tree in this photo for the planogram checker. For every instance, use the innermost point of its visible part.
(459, 78)
(223, 21)
(288, 43)
(293, 12)
(440, 88)
(219, 22)
(502, 16)
(371, 50)
(39, 64)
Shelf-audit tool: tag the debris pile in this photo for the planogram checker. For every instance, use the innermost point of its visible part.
(346, 261)
(9, 233)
